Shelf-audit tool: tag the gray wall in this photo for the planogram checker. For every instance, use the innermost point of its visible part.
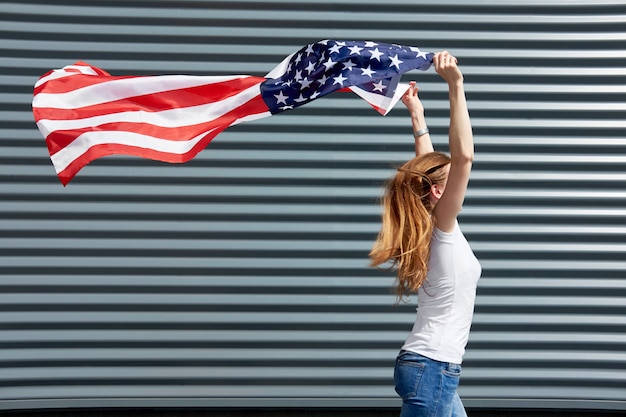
(241, 278)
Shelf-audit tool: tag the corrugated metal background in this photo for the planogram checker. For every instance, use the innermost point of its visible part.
(241, 278)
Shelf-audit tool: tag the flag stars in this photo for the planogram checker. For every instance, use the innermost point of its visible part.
(368, 71)
(355, 50)
(339, 80)
(305, 83)
(376, 54)
(281, 98)
(395, 61)
(348, 65)
(335, 49)
(310, 68)
(379, 86)
(419, 53)
(329, 64)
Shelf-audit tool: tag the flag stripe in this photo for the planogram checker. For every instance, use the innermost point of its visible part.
(107, 148)
(70, 78)
(72, 81)
(120, 89)
(145, 121)
(131, 109)
(67, 71)
(192, 123)
(91, 144)
(382, 104)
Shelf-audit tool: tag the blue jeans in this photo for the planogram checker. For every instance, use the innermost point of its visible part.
(427, 387)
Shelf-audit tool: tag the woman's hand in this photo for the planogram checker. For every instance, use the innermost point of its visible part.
(418, 121)
(412, 101)
(446, 67)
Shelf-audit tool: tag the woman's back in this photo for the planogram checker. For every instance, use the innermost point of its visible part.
(445, 302)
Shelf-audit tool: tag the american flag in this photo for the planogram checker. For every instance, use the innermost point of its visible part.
(85, 113)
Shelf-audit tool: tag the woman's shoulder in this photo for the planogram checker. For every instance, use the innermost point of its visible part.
(446, 235)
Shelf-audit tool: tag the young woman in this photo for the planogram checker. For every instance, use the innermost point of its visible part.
(421, 239)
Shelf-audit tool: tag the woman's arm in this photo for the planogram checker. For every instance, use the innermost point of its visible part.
(461, 144)
(418, 121)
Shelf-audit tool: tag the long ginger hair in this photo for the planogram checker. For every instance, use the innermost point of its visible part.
(407, 224)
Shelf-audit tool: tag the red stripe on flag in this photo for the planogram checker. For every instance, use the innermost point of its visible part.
(252, 107)
(59, 139)
(99, 151)
(75, 82)
(165, 100)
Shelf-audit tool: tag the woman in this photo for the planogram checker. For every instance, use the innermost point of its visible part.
(421, 239)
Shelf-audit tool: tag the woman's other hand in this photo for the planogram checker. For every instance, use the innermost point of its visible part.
(411, 100)
(446, 67)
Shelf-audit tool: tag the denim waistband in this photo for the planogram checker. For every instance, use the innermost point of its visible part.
(407, 355)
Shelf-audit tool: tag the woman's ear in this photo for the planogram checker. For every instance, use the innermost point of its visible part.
(436, 191)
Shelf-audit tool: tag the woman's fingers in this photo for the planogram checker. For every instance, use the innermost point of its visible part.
(446, 66)
(411, 99)
(412, 90)
(444, 58)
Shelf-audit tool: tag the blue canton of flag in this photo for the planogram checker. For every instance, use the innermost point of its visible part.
(370, 69)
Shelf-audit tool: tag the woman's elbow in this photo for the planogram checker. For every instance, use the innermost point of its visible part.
(463, 157)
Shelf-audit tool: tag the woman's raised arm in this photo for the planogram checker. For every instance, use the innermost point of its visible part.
(461, 144)
(412, 102)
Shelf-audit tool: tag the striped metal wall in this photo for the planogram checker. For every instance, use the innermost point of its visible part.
(241, 278)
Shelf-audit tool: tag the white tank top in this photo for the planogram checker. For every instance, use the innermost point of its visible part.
(445, 302)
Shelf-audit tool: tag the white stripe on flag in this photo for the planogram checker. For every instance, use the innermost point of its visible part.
(60, 73)
(280, 69)
(382, 103)
(62, 159)
(120, 89)
(183, 116)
